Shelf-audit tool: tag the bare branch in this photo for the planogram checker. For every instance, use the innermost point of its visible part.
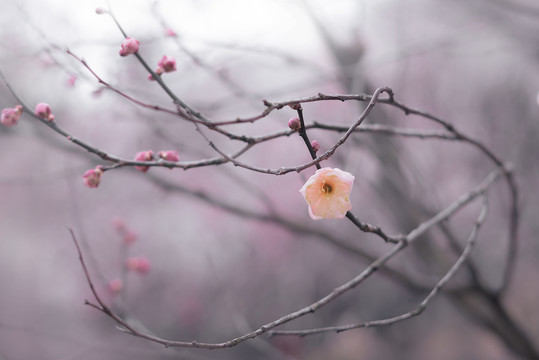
(317, 160)
(337, 292)
(470, 243)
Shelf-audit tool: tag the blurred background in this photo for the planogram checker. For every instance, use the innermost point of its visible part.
(231, 249)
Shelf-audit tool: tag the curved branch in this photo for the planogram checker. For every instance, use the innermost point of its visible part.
(470, 243)
(337, 292)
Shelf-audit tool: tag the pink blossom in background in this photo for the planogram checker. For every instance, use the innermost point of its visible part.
(43, 110)
(92, 177)
(143, 156)
(71, 80)
(129, 46)
(138, 264)
(167, 64)
(169, 155)
(11, 116)
(97, 93)
(116, 285)
(294, 124)
(170, 32)
(129, 237)
(327, 193)
(119, 225)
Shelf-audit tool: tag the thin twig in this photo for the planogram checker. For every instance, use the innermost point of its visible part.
(317, 160)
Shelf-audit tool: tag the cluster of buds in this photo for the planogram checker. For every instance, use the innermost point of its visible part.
(11, 116)
(129, 46)
(92, 177)
(295, 124)
(128, 236)
(138, 264)
(166, 64)
(148, 155)
(43, 110)
(143, 156)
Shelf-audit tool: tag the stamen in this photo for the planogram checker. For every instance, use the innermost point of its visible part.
(327, 188)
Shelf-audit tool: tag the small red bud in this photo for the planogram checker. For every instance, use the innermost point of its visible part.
(315, 145)
(43, 110)
(143, 156)
(294, 124)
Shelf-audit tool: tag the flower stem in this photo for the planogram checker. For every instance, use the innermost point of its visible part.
(303, 133)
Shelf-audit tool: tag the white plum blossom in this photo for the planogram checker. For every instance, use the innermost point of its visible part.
(327, 193)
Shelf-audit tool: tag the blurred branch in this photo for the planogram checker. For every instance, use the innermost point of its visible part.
(236, 89)
(337, 292)
(470, 243)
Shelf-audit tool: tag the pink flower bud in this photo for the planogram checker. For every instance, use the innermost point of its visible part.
(169, 155)
(129, 237)
(143, 156)
(315, 145)
(43, 110)
(129, 46)
(119, 225)
(294, 124)
(11, 116)
(150, 77)
(92, 177)
(71, 81)
(144, 265)
(139, 264)
(115, 286)
(166, 63)
(100, 11)
(170, 32)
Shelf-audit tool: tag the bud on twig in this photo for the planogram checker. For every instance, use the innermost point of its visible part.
(11, 116)
(315, 145)
(43, 110)
(294, 124)
(129, 46)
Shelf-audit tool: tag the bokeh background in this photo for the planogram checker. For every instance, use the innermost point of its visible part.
(232, 249)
